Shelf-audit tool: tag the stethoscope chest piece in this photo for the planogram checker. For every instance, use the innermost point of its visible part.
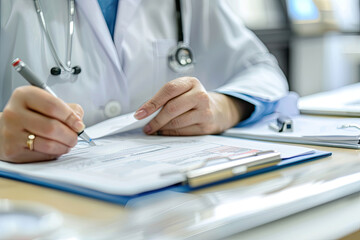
(181, 59)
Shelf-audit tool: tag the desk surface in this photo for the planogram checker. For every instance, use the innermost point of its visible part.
(333, 220)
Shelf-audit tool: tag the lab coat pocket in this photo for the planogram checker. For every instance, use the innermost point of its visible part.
(162, 71)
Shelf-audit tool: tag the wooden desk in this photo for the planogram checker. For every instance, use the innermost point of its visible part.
(324, 218)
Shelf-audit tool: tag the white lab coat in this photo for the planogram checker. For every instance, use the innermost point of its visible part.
(131, 68)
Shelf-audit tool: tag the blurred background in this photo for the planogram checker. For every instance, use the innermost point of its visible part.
(316, 42)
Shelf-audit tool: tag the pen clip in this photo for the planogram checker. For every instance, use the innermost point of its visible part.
(282, 124)
(218, 172)
(202, 174)
(350, 125)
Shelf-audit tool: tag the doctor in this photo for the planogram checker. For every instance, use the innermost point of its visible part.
(195, 59)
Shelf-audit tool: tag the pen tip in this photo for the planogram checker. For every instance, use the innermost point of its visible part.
(91, 142)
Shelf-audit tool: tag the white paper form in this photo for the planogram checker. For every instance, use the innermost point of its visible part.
(131, 164)
(118, 124)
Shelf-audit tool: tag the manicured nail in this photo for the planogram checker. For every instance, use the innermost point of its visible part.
(79, 126)
(78, 115)
(147, 129)
(140, 114)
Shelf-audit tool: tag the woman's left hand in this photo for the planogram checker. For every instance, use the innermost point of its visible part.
(188, 109)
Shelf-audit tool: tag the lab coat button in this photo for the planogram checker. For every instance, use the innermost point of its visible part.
(112, 109)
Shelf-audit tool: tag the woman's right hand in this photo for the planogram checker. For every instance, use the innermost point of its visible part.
(54, 123)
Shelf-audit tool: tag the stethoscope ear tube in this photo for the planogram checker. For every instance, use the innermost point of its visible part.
(60, 65)
(181, 59)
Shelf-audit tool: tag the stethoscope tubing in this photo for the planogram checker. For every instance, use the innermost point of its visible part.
(174, 56)
(71, 32)
(57, 59)
(179, 21)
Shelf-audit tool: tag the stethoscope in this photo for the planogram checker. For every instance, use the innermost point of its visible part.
(180, 58)
(60, 65)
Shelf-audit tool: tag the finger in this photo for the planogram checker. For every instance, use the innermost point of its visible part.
(15, 149)
(192, 130)
(184, 120)
(170, 112)
(28, 156)
(52, 129)
(44, 145)
(169, 91)
(77, 109)
(41, 101)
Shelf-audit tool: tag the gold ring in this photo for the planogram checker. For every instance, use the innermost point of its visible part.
(30, 141)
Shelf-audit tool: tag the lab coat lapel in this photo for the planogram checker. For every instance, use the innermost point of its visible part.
(125, 13)
(94, 16)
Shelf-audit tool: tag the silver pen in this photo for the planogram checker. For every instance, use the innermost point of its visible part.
(26, 72)
(237, 166)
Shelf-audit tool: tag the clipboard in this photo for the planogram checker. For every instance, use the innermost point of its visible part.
(314, 130)
(269, 163)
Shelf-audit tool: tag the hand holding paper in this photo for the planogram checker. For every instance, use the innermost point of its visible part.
(188, 110)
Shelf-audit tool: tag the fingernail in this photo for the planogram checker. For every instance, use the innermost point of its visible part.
(79, 126)
(140, 114)
(78, 115)
(147, 129)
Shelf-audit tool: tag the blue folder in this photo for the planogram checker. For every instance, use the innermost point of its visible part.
(119, 199)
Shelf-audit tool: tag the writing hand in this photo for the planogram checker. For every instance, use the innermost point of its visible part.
(31, 110)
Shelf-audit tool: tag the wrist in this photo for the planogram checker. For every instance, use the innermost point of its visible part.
(244, 108)
(233, 110)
